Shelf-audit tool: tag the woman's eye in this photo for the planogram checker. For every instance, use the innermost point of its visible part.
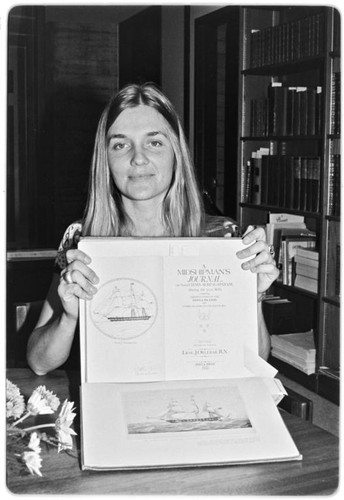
(156, 144)
(119, 146)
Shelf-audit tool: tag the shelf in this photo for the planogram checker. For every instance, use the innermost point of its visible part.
(299, 66)
(282, 138)
(309, 66)
(330, 372)
(334, 301)
(308, 381)
(271, 208)
(332, 218)
(295, 289)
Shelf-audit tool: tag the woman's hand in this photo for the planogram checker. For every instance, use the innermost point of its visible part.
(76, 282)
(263, 262)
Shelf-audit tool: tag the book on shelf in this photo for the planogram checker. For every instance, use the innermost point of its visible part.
(279, 314)
(296, 349)
(306, 270)
(256, 165)
(306, 283)
(305, 261)
(337, 274)
(279, 221)
(306, 183)
(308, 253)
(277, 109)
(291, 240)
(169, 355)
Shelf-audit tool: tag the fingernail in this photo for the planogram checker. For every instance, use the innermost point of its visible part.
(246, 240)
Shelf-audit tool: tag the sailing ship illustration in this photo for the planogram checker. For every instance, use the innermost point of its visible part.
(124, 305)
(177, 413)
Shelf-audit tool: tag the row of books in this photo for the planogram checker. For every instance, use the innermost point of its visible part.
(291, 182)
(296, 349)
(334, 185)
(287, 111)
(335, 102)
(287, 42)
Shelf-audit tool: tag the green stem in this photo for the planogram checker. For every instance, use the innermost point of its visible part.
(41, 426)
(21, 419)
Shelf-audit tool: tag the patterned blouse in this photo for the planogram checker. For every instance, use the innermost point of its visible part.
(215, 226)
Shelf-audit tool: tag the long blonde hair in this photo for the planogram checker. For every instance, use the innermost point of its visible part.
(182, 210)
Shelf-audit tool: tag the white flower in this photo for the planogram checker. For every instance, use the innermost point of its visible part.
(42, 401)
(33, 462)
(62, 426)
(15, 404)
(34, 442)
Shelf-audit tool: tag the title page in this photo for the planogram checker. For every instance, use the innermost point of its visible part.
(207, 312)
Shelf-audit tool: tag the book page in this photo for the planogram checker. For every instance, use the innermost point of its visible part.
(207, 304)
(167, 309)
(124, 327)
(182, 423)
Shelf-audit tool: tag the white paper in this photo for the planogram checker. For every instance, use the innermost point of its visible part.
(125, 322)
(205, 302)
(167, 309)
(182, 423)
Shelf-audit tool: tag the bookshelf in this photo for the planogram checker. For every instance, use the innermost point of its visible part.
(289, 160)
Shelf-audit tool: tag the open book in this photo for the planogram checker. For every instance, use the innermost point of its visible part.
(169, 358)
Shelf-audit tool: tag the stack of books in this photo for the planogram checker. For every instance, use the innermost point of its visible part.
(306, 269)
(296, 349)
(287, 233)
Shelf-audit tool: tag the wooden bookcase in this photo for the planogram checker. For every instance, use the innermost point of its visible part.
(290, 56)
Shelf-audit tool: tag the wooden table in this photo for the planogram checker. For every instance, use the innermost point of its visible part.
(316, 474)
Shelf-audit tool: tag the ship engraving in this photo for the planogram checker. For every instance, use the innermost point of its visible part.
(125, 308)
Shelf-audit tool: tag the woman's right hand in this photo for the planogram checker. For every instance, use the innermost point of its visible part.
(77, 281)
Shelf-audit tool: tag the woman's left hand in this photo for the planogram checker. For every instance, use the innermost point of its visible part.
(263, 262)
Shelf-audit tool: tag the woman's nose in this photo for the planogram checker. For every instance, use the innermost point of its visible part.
(139, 157)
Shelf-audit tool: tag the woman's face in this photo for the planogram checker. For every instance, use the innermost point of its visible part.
(140, 154)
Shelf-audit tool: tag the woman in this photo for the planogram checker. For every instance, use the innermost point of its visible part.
(142, 183)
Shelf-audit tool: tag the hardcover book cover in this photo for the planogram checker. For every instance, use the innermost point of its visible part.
(169, 356)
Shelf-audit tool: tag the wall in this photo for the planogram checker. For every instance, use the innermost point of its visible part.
(195, 12)
(172, 43)
(97, 15)
(173, 56)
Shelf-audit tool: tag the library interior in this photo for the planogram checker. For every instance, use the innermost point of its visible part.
(257, 89)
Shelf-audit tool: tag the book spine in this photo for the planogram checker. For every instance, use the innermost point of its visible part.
(304, 270)
(306, 283)
(248, 187)
(309, 254)
(315, 185)
(297, 182)
(306, 261)
(337, 275)
(303, 183)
